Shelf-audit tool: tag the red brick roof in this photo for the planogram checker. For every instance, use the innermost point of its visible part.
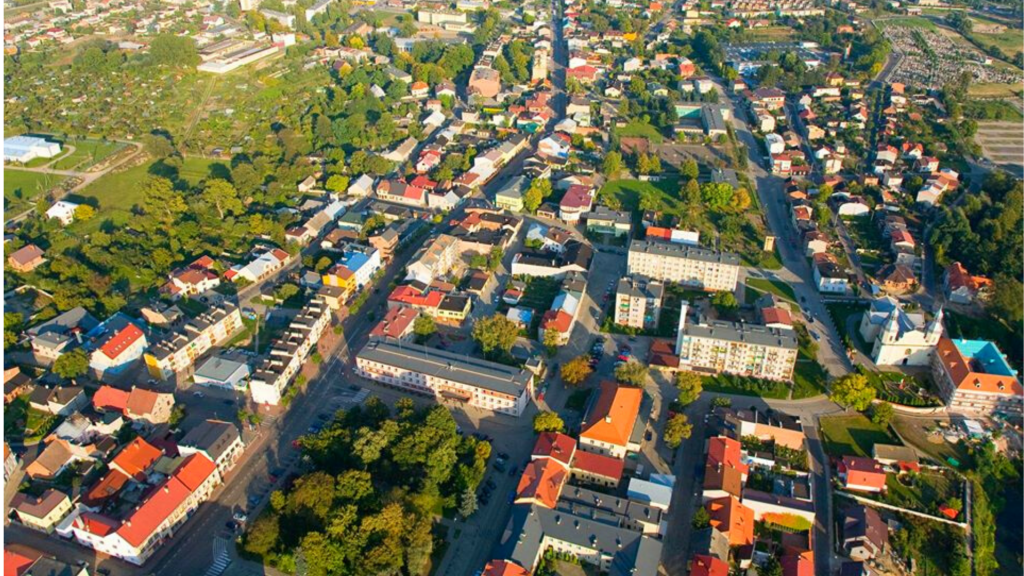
(396, 323)
(121, 341)
(110, 398)
(16, 564)
(194, 471)
(776, 316)
(141, 401)
(727, 452)
(142, 523)
(504, 568)
(556, 446)
(598, 464)
(542, 482)
(136, 458)
(702, 565)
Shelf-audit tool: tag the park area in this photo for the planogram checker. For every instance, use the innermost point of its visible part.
(853, 435)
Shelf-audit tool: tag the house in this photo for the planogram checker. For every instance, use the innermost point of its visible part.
(575, 258)
(504, 568)
(733, 519)
(193, 280)
(895, 457)
(63, 211)
(61, 333)
(861, 474)
(402, 152)
(401, 193)
(609, 425)
(26, 259)
(828, 275)
(397, 323)
(215, 439)
(602, 220)
(57, 455)
(510, 196)
(419, 89)
(59, 400)
(962, 287)
(120, 343)
(362, 186)
(815, 242)
(865, 535)
(16, 383)
(484, 81)
(897, 279)
(261, 268)
(42, 513)
(385, 241)
(453, 309)
(974, 376)
(11, 461)
(137, 404)
(136, 459)
(542, 482)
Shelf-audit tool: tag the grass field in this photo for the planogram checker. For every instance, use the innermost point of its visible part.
(628, 192)
(910, 22)
(87, 153)
(1009, 41)
(777, 287)
(729, 384)
(915, 431)
(928, 492)
(640, 129)
(994, 90)
(852, 435)
(20, 187)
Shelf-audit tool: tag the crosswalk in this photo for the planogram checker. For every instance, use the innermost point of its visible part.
(221, 558)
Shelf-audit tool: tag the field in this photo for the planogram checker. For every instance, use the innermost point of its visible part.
(729, 384)
(992, 110)
(853, 435)
(990, 32)
(87, 153)
(20, 187)
(928, 490)
(777, 287)
(994, 90)
(116, 193)
(770, 34)
(918, 432)
(642, 130)
(909, 22)
(1003, 144)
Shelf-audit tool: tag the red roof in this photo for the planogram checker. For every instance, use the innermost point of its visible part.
(727, 452)
(798, 565)
(136, 458)
(121, 341)
(413, 297)
(16, 564)
(140, 526)
(108, 487)
(542, 481)
(194, 471)
(776, 316)
(396, 323)
(504, 568)
(598, 464)
(949, 512)
(558, 320)
(660, 233)
(203, 262)
(862, 471)
(96, 524)
(702, 565)
(577, 197)
(110, 398)
(556, 446)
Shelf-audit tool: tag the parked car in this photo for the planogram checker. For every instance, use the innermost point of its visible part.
(513, 470)
(240, 516)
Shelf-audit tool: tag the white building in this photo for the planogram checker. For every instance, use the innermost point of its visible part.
(222, 373)
(260, 268)
(695, 267)
(26, 148)
(178, 350)
(901, 339)
(63, 211)
(434, 259)
(289, 352)
(119, 344)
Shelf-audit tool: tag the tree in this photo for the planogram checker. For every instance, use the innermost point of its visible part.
(689, 169)
(724, 301)
(632, 373)
(575, 371)
(547, 422)
(1006, 301)
(264, 536)
(853, 391)
(701, 519)
(157, 146)
(772, 567)
(677, 429)
(337, 183)
(716, 194)
(222, 195)
(612, 164)
(12, 327)
(84, 212)
(467, 503)
(532, 199)
(882, 413)
(690, 385)
(551, 341)
(495, 333)
(424, 327)
(955, 503)
(71, 364)
(173, 50)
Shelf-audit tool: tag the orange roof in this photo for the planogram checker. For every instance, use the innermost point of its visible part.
(504, 568)
(862, 471)
(556, 446)
(798, 565)
(557, 320)
(142, 401)
(16, 564)
(776, 315)
(137, 528)
(106, 488)
(959, 277)
(702, 565)
(733, 519)
(396, 323)
(727, 452)
(194, 471)
(410, 295)
(598, 464)
(110, 398)
(96, 524)
(542, 482)
(136, 458)
(612, 418)
(965, 377)
(723, 478)
(121, 341)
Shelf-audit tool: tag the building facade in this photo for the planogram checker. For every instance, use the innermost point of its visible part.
(289, 352)
(736, 348)
(690, 266)
(179, 350)
(974, 376)
(638, 302)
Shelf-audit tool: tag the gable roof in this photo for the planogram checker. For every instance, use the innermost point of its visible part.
(612, 417)
(194, 471)
(110, 398)
(733, 519)
(38, 507)
(141, 401)
(213, 437)
(598, 464)
(137, 458)
(542, 481)
(556, 446)
(162, 502)
(121, 341)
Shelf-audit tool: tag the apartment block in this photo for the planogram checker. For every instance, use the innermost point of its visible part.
(736, 348)
(446, 376)
(638, 302)
(289, 352)
(702, 268)
(178, 351)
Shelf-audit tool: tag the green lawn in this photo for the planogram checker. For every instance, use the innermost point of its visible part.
(87, 153)
(853, 435)
(928, 490)
(729, 384)
(640, 129)
(628, 193)
(840, 314)
(909, 22)
(21, 187)
(1009, 41)
(777, 287)
(809, 378)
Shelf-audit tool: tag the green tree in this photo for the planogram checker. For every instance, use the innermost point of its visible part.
(853, 391)
(701, 519)
(677, 429)
(690, 385)
(495, 333)
(612, 164)
(264, 536)
(532, 199)
(724, 301)
(1006, 301)
(322, 264)
(84, 212)
(632, 373)
(337, 183)
(689, 169)
(12, 328)
(882, 413)
(222, 195)
(716, 194)
(424, 327)
(551, 341)
(173, 50)
(71, 364)
(575, 371)
(548, 422)
(772, 567)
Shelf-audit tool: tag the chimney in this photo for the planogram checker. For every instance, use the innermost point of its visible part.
(608, 419)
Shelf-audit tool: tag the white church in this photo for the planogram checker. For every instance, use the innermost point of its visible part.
(899, 338)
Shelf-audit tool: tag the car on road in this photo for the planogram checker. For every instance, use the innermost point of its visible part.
(231, 526)
(499, 466)
(815, 335)
(503, 456)
(803, 300)
(512, 471)
(228, 402)
(491, 484)
(254, 499)
(648, 436)
(239, 516)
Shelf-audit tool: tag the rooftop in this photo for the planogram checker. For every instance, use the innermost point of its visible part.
(675, 250)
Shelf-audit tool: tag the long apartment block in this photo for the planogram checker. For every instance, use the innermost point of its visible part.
(446, 376)
(736, 348)
(289, 352)
(178, 351)
(701, 268)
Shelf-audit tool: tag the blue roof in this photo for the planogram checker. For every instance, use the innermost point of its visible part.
(986, 356)
(354, 260)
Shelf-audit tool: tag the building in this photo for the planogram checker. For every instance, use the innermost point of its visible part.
(533, 529)
(63, 211)
(865, 535)
(222, 372)
(118, 342)
(24, 149)
(963, 288)
(623, 512)
(434, 260)
(862, 474)
(577, 201)
(510, 196)
(385, 242)
(602, 220)
(193, 280)
(57, 456)
(542, 482)
(26, 258)
(453, 309)
(902, 338)
(136, 404)
(215, 439)
(178, 351)
(62, 333)
(612, 425)
(597, 469)
(974, 376)
(42, 513)
(777, 427)
(484, 81)
(638, 302)
(695, 267)
(17, 564)
(565, 308)
(895, 457)
(735, 348)
(10, 461)
(575, 258)
(397, 324)
(289, 352)
(771, 507)
(829, 276)
(446, 376)
(264, 266)
(703, 565)
(316, 9)
(733, 519)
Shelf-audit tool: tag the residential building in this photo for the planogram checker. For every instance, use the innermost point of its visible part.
(656, 492)
(264, 266)
(58, 455)
(434, 260)
(504, 568)
(453, 309)
(63, 211)
(59, 400)
(289, 352)
(510, 196)
(136, 404)
(898, 458)
(735, 348)
(865, 535)
(962, 287)
(215, 439)
(117, 344)
(829, 276)
(222, 372)
(42, 513)
(861, 474)
(385, 242)
(770, 506)
(695, 267)
(484, 81)
(11, 462)
(577, 201)
(542, 482)
(777, 427)
(597, 469)
(703, 565)
(602, 220)
(733, 519)
(623, 512)
(446, 375)
(193, 280)
(974, 376)
(397, 324)
(565, 308)
(62, 333)
(26, 258)
(575, 258)
(178, 351)
(612, 425)
(638, 302)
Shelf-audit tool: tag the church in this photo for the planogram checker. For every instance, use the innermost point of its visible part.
(899, 338)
